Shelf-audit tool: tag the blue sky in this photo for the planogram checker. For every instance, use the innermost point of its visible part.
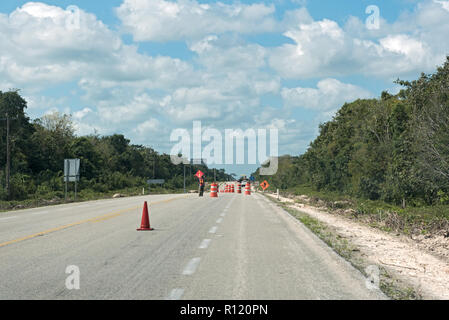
(146, 67)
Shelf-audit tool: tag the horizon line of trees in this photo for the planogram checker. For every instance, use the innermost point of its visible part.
(394, 148)
(108, 163)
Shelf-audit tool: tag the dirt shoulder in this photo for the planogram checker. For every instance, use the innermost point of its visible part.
(409, 260)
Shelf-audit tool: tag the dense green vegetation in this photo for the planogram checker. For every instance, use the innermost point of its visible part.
(394, 149)
(108, 163)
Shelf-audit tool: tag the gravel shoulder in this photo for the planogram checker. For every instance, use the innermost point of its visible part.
(404, 258)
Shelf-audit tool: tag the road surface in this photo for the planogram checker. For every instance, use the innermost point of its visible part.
(233, 247)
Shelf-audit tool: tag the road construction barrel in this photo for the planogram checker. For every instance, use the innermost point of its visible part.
(239, 188)
(232, 188)
(248, 189)
(214, 190)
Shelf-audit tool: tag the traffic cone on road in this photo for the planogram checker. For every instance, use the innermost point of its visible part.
(145, 224)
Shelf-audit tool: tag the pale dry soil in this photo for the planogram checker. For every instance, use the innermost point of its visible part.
(422, 263)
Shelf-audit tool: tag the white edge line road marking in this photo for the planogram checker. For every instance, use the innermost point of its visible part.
(205, 244)
(65, 209)
(223, 214)
(191, 266)
(8, 218)
(43, 212)
(213, 229)
(176, 294)
(220, 220)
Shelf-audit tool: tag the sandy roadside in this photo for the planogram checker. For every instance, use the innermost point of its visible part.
(426, 273)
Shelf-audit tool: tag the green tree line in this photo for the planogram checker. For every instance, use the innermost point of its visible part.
(394, 148)
(108, 163)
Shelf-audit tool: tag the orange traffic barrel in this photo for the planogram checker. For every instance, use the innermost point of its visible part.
(232, 188)
(214, 190)
(248, 189)
(239, 188)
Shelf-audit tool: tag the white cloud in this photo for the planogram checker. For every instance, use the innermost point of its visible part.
(204, 44)
(40, 48)
(444, 4)
(329, 94)
(133, 110)
(79, 115)
(149, 126)
(159, 20)
(217, 55)
(229, 78)
(415, 43)
(39, 103)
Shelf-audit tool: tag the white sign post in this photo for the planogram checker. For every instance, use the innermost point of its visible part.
(154, 181)
(71, 173)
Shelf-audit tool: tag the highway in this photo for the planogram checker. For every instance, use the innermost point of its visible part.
(232, 247)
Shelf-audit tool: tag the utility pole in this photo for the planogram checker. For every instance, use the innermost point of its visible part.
(8, 159)
(154, 164)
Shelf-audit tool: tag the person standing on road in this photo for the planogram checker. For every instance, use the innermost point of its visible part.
(202, 183)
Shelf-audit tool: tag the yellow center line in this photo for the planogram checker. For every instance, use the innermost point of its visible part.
(93, 220)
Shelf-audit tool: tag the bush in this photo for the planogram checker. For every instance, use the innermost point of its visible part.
(443, 197)
(43, 190)
(21, 186)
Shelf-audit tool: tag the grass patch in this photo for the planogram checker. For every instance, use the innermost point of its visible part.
(339, 244)
(395, 289)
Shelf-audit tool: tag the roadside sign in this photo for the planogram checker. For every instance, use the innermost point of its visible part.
(199, 174)
(156, 181)
(71, 170)
(265, 185)
(71, 173)
(252, 178)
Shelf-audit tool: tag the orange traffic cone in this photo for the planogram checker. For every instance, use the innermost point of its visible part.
(145, 224)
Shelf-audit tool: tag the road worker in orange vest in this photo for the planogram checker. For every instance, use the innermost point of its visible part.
(202, 184)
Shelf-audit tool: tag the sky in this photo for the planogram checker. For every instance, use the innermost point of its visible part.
(144, 68)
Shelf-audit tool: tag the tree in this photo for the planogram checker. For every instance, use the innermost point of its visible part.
(395, 148)
(53, 134)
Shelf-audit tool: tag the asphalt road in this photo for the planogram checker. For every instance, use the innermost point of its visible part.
(233, 247)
